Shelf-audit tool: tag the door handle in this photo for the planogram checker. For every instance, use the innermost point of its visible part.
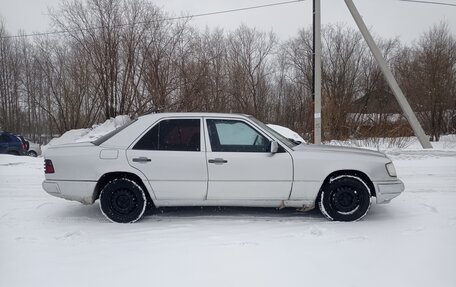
(218, 161)
(141, 159)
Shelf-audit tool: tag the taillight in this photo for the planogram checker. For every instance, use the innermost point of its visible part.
(48, 166)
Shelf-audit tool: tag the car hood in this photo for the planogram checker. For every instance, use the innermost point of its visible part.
(337, 149)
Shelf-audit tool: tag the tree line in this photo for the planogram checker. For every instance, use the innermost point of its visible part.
(115, 57)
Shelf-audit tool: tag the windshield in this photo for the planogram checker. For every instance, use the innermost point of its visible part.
(280, 137)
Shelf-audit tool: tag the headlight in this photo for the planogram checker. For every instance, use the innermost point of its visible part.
(391, 170)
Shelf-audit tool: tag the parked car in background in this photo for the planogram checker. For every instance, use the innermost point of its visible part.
(12, 144)
(211, 159)
(34, 149)
(24, 142)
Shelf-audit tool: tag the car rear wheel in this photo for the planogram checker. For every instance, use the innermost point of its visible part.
(123, 201)
(32, 153)
(345, 198)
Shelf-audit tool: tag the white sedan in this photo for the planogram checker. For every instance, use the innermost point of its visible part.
(209, 159)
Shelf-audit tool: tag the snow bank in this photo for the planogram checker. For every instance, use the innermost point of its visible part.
(286, 132)
(90, 134)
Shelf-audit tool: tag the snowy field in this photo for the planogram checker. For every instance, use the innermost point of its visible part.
(46, 241)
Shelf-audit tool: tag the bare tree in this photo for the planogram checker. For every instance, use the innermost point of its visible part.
(203, 74)
(435, 78)
(111, 33)
(10, 63)
(376, 112)
(126, 57)
(342, 62)
(294, 91)
(249, 68)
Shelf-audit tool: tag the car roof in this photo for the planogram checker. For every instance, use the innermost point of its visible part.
(125, 137)
(194, 114)
(8, 133)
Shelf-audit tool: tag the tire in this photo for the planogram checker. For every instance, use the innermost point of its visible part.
(32, 153)
(123, 201)
(345, 198)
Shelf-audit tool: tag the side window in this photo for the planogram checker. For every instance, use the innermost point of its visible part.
(235, 136)
(4, 139)
(175, 135)
(149, 141)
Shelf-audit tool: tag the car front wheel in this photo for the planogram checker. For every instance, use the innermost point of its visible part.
(345, 198)
(123, 201)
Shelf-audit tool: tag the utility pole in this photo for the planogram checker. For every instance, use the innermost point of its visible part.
(403, 103)
(317, 70)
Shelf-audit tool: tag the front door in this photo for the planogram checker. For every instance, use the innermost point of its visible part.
(241, 166)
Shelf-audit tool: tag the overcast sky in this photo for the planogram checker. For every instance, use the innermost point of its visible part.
(386, 18)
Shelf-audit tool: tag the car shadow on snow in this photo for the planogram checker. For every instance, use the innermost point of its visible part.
(223, 212)
(78, 212)
(376, 213)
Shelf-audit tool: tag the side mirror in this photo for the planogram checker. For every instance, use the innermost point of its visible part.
(274, 147)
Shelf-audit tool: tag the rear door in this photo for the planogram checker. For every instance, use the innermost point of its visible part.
(4, 139)
(240, 164)
(172, 156)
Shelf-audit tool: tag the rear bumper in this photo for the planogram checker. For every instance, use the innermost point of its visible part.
(385, 191)
(82, 191)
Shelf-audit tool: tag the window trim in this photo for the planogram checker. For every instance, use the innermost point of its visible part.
(202, 135)
(279, 138)
(246, 121)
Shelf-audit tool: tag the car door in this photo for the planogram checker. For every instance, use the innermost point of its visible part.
(171, 154)
(3, 143)
(240, 164)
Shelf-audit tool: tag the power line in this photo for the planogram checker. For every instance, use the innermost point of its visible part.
(166, 19)
(246, 8)
(429, 2)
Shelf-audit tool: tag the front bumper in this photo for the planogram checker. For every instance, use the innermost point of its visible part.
(387, 190)
(82, 191)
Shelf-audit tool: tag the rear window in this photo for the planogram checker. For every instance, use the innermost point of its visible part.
(112, 133)
(4, 138)
(172, 135)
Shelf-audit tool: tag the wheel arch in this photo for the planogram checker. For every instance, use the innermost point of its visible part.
(356, 173)
(107, 177)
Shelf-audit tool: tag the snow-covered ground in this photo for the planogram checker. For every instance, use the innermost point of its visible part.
(46, 241)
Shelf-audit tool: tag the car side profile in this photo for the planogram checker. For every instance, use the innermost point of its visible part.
(211, 159)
